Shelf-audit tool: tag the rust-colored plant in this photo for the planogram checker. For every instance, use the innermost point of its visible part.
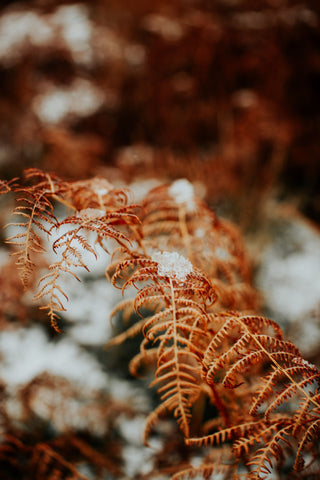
(202, 335)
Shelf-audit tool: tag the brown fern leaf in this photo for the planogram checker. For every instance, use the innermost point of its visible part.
(48, 463)
(179, 221)
(102, 212)
(221, 436)
(36, 212)
(249, 350)
(247, 438)
(273, 450)
(7, 186)
(104, 224)
(311, 436)
(183, 293)
(40, 461)
(97, 193)
(71, 245)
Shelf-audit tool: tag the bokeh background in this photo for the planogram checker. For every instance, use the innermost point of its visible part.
(224, 92)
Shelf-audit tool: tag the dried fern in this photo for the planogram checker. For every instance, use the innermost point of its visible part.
(175, 329)
(250, 350)
(175, 221)
(187, 267)
(36, 207)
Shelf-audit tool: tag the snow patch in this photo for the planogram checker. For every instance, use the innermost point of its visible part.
(68, 25)
(172, 264)
(182, 192)
(290, 283)
(27, 353)
(81, 98)
(89, 308)
(91, 213)
(137, 460)
(289, 274)
(132, 429)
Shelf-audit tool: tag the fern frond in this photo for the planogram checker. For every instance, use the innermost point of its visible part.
(97, 193)
(46, 461)
(37, 216)
(102, 211)
(146, 358)
(231, 433)
(273, 450)
(311, 435)
(153, 419)
(183, 223)
(71, 245)
(7, 186)
(176, 329)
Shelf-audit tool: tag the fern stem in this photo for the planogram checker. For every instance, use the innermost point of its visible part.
(176, 360)
(63, 201)
(220, 406)
(185, 233)
(26, 255)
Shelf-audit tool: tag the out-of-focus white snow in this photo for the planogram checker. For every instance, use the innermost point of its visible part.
(89, 308)
(140, 188)
(132, 429)
(182, 192)
(81, 98)
(91, 213)
(68, 24)
(164, 26)
(26, 353)
(290, 281)
(73, 23)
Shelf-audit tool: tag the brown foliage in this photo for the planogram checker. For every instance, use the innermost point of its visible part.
(266, 395)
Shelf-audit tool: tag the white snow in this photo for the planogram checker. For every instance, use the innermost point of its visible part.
(164, 26)
(289, 280)
(302, 361)
(17, 28)
(89, 308)
(26, 353)
(69, 25)
(68, 408)
(74, 25)
(91, 213)
(132, 429)
(137, 460)
(80, 98)
(172, 264)
(289, 276)
(141, 187)
(182, 192)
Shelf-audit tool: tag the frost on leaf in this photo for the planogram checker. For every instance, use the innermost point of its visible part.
(171, 264)
(91, 213)
(303, 362)
(182, 192)
(101, 186)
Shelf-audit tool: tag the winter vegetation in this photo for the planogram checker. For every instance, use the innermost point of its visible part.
(159, 260)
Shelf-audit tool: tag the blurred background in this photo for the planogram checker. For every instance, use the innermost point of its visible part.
(222, 92)
(225, 93)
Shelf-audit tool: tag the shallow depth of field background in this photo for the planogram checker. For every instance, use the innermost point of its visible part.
(224, 93)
